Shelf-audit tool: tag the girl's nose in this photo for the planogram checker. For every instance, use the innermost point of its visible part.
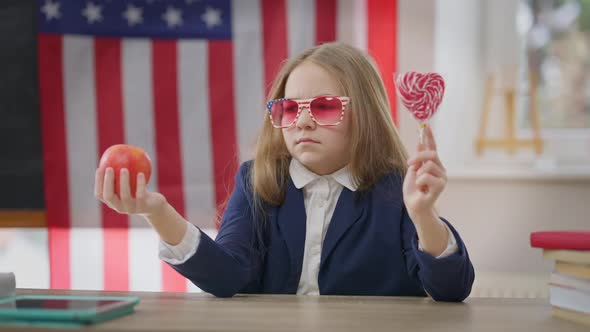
(305, 121)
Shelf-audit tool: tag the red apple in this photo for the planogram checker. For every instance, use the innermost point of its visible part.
(135, 159)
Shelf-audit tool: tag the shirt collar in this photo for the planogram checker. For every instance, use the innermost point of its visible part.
(302, 176)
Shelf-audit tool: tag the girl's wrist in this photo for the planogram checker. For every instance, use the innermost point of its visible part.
(421, 217)
(159, 212)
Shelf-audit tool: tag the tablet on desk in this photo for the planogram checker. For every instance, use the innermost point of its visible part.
(65, 308)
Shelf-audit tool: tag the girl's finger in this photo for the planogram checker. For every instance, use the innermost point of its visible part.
(435, 185)
(98, 181)
(429, 138)
(424, 156)
(420, 147)
(125, 190)
(141, 186)
(426, 180)
(108, 193)
(431, 167)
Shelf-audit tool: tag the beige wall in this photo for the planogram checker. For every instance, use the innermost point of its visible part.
(495, 218)
(415, 52)
(494, 214)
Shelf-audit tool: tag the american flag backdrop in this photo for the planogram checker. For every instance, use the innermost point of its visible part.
(185, 80)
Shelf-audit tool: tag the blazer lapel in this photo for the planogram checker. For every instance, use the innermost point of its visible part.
(291, 224)
(348, 211)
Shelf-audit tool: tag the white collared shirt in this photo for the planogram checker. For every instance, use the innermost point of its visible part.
(320, 195)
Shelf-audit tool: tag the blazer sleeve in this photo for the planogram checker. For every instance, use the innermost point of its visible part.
(445, 279)
(231, 263)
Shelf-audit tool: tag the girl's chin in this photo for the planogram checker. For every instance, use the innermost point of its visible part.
(309, 157)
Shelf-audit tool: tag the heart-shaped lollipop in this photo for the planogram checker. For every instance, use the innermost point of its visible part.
(420, 93)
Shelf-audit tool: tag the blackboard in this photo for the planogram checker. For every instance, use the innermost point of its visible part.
(21, 162)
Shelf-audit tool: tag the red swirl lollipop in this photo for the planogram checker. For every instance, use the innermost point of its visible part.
(420, 93)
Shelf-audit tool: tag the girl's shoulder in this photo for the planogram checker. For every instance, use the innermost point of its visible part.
(389, 189)
(390, 180)
(243, 178)
(245, 167)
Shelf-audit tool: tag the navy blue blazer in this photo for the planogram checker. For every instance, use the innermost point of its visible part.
(370, 248)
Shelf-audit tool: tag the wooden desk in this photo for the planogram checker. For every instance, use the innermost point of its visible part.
(203, 312)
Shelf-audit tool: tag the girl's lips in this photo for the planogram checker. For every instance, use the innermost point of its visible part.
(306, 140)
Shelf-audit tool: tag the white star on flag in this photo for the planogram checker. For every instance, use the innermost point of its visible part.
(51, 10)
(211, 17)
(173, 17)
(92, 13)
(133, 15)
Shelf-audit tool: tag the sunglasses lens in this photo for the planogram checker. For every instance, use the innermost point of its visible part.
(326, 110)
(283, 112)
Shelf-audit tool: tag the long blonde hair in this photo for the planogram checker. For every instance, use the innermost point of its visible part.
(376, 148)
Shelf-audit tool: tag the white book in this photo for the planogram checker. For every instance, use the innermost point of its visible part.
(569, 298)
(562, 280)
(7, 284)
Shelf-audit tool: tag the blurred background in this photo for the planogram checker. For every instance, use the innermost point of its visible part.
(186, 80)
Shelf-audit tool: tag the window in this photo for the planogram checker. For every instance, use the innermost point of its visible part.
(556, 35)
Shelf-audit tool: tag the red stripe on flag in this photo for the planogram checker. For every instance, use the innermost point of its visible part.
(55, 162)
(382, 42)
(166, 120)
(325, 18)
(274, 30)
(110, 123)
(222, 119)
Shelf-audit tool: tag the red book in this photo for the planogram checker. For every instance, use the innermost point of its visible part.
(564, 240)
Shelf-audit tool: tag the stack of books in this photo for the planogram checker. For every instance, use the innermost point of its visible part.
(569, 284)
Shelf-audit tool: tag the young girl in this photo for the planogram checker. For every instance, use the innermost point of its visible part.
(329, 205)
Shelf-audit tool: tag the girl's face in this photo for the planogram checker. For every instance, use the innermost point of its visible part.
(323, 150)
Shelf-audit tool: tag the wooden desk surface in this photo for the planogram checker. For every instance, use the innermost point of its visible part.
(203, 312)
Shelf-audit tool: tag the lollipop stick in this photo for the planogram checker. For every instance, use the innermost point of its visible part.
(422, 141)
(421, 133)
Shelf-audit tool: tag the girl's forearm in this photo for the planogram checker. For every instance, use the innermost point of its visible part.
(169, 224)
(432, 234)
